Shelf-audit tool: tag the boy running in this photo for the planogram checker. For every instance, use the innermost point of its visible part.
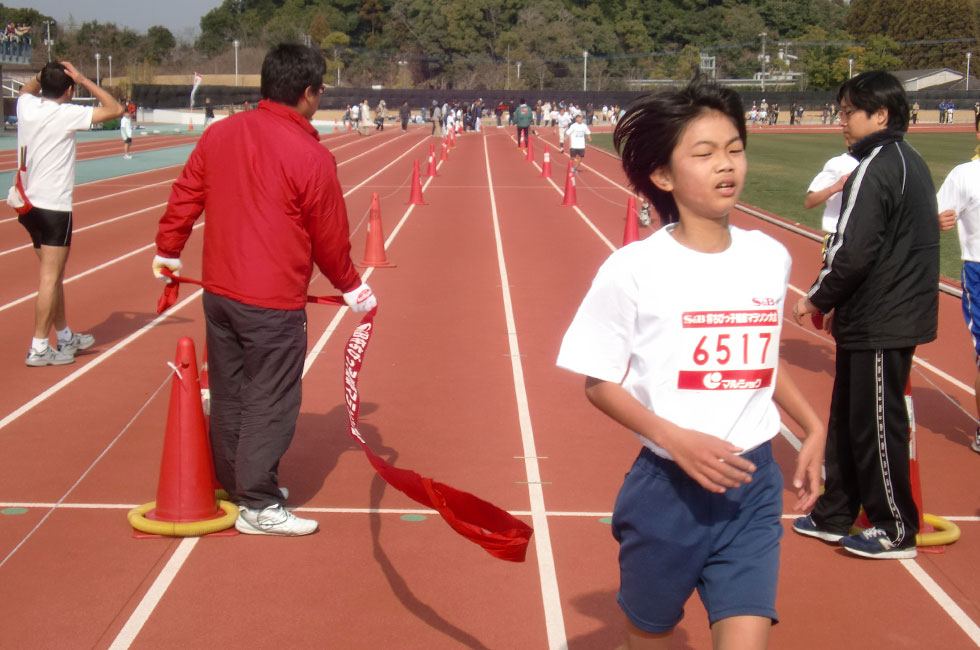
(678, 338)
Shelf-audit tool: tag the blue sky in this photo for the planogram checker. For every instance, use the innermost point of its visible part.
(182, 17)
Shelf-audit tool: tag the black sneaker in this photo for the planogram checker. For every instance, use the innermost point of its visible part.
(805, 526)
(874, 543)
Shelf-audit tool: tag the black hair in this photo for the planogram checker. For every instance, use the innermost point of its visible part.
(647, 134)
(288, 70)
(54, 81)
(875, 89)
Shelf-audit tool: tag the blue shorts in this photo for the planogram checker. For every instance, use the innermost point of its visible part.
(674, 537)
(970, 277)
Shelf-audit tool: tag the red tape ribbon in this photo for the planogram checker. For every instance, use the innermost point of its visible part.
(499, 533)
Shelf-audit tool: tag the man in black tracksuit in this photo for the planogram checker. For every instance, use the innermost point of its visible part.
(878, 288)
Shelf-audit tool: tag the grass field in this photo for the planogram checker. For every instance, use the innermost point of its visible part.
(781, 167)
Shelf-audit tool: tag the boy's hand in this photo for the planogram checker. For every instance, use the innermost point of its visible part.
(947, 220)
(74, 74)
(809, 464)
(710, 461)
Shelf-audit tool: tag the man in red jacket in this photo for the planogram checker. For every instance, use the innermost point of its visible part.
(274, 207)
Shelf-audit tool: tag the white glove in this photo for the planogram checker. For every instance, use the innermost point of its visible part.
(361, 299)
(161, 263)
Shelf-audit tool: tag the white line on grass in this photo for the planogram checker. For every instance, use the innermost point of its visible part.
(554, 618)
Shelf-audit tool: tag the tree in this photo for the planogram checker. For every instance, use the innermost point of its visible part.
(158, 43)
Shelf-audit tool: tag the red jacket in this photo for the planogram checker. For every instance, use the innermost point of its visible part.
(274, 207)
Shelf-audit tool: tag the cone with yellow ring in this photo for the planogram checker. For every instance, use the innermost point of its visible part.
(186, 505)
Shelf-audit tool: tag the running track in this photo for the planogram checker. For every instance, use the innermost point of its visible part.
(460, 385)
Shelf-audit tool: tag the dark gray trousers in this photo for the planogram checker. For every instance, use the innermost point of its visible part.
(255, 367)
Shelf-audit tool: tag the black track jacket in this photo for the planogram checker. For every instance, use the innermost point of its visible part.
(881, 270)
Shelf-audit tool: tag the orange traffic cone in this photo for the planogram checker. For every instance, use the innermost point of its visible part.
(452, 140)
(530, 150)
(190, 124)
(415, 198)
(186, 504)
(444, 153)
(632, 232)
(569, 199)
(546, 165)
(374, 250)
(350, 126)
(431, 170)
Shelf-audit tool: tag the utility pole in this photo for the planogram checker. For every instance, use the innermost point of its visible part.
(48, 40)
(762, 59)
(585, 68)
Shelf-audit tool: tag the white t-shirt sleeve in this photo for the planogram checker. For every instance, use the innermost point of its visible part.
(76, 118)
(599, 341)
(948, 196)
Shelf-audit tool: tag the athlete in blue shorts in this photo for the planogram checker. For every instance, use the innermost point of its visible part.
(959, 204)
(678, 339)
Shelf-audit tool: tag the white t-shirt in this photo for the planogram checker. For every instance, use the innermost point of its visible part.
(355, 112)
(576, 134)
(835, 169)
(46, 130)
(693, 336)
(564, 119)
(126, 127)
(960, 192)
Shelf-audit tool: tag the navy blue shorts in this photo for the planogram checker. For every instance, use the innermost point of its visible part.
(674, 537)
(970, 277)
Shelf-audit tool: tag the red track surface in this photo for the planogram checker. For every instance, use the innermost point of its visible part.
(450, 389)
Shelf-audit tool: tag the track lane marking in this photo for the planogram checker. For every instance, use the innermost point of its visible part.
(921, 576)
(150, 600)
(554, 617)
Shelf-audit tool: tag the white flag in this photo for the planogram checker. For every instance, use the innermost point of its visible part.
(197, 82)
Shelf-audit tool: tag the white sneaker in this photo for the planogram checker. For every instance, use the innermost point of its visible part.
(274, 520)
(75, 343)
(48, 357)
(127, 157)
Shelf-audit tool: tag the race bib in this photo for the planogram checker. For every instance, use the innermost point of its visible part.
(728, 350)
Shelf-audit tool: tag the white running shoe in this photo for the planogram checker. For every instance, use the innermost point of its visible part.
(75, 343)
(274, 520)
(49, 357)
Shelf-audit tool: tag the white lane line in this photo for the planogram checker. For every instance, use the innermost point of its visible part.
(943, 600)
(96, 362)
(75, 231)
(91, 270)
(934, 590)
(554, 618)
(372, 511)
(132, 628)
(149, 602)
(917, 359)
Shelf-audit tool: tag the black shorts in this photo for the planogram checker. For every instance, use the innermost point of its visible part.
(127, 140)
(47, 227)
(577, 152)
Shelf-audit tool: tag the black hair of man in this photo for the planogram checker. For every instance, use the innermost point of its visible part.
(875, 89)
(288, 70)
(54, 81)
(652, 126)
